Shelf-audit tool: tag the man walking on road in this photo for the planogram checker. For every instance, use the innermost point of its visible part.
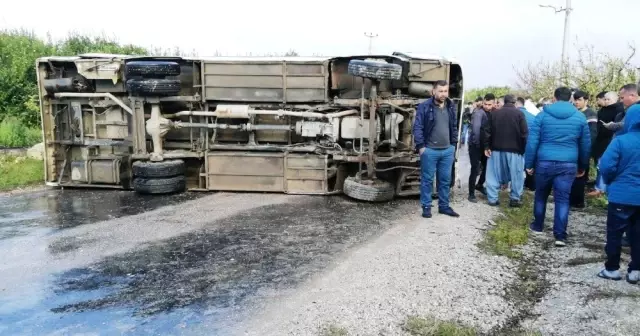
(476, 151)
(435, 134)
(557, 151)
(581, 101)
(505, 142)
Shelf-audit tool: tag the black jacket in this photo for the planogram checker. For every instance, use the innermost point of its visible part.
(506, 130)
(603, 138)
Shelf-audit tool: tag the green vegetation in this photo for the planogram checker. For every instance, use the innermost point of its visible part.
(420, 326)
(19, 50)
(333, 330)
(19, 172)
(14, 133)
(511, 228)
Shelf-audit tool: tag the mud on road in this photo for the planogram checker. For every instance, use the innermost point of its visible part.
(114, 262)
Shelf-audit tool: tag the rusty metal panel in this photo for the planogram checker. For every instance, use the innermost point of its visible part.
(246, 183)
(257, 82)
(244, 94)
(306, 187)
(245, 163)
(245, 171)
(267, 68)
(265, 81)
(306, 174)
(428, 71)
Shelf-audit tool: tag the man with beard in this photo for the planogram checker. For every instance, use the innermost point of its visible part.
(505, 141)
(476, 152)
(435, 134)
(581, 102)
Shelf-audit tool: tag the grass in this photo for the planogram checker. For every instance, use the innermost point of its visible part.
(15, 134)
(511, 228)
(20, 172)
(420, 326)
(333, 330)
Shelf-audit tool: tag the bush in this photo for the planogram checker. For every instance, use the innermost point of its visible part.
(14, 133)
(20, 172)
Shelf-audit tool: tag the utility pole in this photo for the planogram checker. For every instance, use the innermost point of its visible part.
(371, 36)
(565, 36)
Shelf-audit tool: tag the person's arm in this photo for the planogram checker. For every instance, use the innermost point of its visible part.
(486, 133)
(453, 125)
(609, 161)
(418, 127)
(531, 154)
(592, 119)
(584, 150)
(524, 131)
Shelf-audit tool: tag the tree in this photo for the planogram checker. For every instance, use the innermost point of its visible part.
(592, 72)
(291, 53)
(498, 91)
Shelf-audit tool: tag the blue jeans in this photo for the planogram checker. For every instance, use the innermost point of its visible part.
(622, 218)
(434, 161)
(600, 185)
(559, 176)
(502, 168)
(465, 133)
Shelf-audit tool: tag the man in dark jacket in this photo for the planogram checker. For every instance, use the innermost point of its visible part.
(581, 102)
(435, 132)
(557, 151)
(476, 149)
(505, 142)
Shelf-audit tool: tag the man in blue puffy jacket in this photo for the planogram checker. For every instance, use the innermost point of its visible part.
(620, 169)
(558, 150)
(435, 132)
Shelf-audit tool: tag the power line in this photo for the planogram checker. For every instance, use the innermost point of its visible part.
(371, 36)
(565, 36)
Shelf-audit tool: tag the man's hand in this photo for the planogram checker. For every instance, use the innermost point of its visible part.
(607, 125)
(422, 150)
(487, 152)
(530, 171)
(580, 173)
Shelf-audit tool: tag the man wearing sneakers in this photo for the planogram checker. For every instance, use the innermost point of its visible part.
(558, 150)
(435, 134)
(620, 169)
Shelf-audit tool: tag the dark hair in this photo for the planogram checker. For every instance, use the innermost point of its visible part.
(562, 93)
(440, 83)
(489, 96)
(509, 99)
(479, 99)
(539, 105)
(580, 94)
(520, 100)
(631, 88)
(601, 95)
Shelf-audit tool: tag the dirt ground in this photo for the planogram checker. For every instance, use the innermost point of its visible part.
(86, 262)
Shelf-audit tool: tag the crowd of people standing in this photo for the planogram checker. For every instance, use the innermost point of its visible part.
(513, 143)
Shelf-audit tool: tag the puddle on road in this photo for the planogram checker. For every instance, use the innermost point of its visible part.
(51, 210)
(170, 286)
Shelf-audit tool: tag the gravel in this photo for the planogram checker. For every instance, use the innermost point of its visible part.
(578, 302)
(425, 267)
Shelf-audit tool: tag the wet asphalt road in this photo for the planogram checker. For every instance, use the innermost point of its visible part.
(113, 262)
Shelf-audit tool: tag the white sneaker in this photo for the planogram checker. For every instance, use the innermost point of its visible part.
(633, 277)
(560, 243)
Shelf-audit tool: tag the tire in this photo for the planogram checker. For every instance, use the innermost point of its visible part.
(374, 70)
(157, 186)
(152, 69)
(153, 87)
(378, 191)
(150, 169)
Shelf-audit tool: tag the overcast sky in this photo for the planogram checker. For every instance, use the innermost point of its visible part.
(489, 37)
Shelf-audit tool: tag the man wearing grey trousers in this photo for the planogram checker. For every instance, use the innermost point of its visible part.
(505, 142)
